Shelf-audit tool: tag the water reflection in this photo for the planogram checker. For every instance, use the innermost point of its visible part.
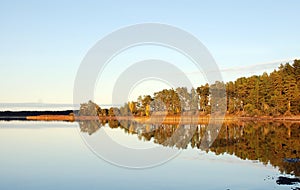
(267, 142)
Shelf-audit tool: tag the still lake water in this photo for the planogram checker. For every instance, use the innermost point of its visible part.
(54, 155)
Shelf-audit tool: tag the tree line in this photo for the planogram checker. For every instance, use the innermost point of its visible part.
(274, 94)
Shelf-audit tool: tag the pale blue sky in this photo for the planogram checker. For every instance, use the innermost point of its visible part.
(43, 42)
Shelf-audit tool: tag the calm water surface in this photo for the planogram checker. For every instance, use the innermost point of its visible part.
(53, 155)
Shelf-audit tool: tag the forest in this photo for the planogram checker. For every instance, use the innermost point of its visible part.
(273, 94)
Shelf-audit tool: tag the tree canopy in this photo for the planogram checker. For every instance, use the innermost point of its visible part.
(274, 94)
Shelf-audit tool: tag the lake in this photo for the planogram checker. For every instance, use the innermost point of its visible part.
(127, 155)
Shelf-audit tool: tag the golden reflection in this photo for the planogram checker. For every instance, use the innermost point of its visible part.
(268, 142)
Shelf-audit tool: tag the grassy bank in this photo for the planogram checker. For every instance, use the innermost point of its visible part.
(201, 119)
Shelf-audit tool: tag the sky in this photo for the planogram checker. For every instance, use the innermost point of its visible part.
(42, 43)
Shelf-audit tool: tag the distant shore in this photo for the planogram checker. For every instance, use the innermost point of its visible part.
(22, 115)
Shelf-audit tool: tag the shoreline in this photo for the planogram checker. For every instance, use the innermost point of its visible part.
(185, 119)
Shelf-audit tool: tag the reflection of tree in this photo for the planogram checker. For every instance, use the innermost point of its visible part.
(282, 180)
(267, 142)
(264, 142)
(90, 126)
(180, 137)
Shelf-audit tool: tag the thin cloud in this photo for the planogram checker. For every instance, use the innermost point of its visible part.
(260, 66)
(255, 67)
